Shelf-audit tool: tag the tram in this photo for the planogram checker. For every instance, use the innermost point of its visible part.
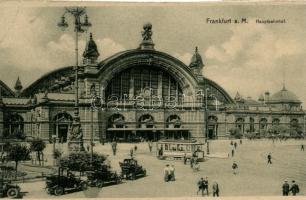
(178, 149)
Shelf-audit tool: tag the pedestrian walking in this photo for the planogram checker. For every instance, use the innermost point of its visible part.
(269, 157)
(215, 189)
(302, 147)
(131, 152)
(150, 146)
(196, 166)
(185, 158)
(206, 185)
(201, 186)
(235, 167)
(294, 188)
(240, 141)
(235, 145)
(166, 173)
(191, 162)
(114, 147)
(135, 148)
(286, 188)
(233, 152)
(232, 143)
(172, 175)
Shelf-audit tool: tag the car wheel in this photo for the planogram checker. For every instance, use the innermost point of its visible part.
(49, 191)
(119, 180)
(59, 191)
(133, 176)
(99, 183)
(84, 185)
(12, 193)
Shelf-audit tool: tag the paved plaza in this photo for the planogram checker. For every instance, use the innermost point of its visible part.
(255, 176)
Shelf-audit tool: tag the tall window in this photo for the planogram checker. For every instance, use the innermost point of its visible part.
(240, 124)
(263, 123)
(252, 126)
(13, 124)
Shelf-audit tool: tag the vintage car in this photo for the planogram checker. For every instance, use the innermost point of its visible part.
(9, 190)
(102, 177)
(59, 183)
(131, 170)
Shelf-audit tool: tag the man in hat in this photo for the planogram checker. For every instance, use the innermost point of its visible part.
(286, 188)
(235, 167)
(294, 188)
(167, 173)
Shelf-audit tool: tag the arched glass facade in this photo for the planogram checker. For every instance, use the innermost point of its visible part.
(146, 82)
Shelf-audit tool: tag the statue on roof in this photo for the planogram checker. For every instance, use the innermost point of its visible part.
(147, 42)
(147, 32)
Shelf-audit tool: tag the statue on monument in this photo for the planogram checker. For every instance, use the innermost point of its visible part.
(76, 133)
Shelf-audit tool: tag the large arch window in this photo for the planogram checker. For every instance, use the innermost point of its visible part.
(116, 121)
(143, 81)
(13, 125)
(275, 122)
(173, 121)
(146, 121)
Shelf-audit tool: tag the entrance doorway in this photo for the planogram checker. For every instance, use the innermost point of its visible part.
(62, 133)
(212, 127)
(211, 133)
(62, 122)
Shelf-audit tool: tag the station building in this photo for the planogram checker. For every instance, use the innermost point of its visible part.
(143, 93)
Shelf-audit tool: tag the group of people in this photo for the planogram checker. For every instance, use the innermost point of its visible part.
(294, 189)
(203, 187)
(234, 146)
(194, 163)
(169, 173)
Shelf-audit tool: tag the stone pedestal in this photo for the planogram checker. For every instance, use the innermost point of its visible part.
(147, 45)
(75, 142)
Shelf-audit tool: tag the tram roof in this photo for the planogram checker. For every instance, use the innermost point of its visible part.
(180, 141)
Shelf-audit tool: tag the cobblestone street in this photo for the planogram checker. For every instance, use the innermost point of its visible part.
(255, 176)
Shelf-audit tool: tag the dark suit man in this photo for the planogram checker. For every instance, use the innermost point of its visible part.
(286, 189)
(294, 188)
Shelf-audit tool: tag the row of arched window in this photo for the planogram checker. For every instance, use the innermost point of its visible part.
(144, 121)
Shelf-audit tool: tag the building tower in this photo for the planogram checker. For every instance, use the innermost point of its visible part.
(91, 52)
(196, 63)
(18, 87)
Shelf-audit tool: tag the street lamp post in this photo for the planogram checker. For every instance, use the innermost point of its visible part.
(91, 137)
(75, 131)
(206, 118)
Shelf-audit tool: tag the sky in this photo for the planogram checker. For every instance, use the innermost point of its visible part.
(250, 58)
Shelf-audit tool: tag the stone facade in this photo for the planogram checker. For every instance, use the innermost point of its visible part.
(141, 93)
